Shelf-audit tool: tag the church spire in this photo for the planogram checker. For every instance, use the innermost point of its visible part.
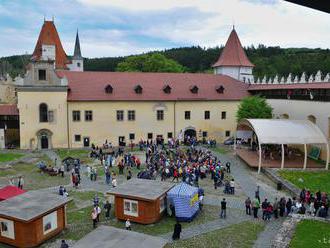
(77, 51)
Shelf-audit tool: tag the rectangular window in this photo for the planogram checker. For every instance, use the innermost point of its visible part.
(187, 115)
(77, 138)
(132, 136)
(223, 115)
(7, 228)
(204, 134)
(207, 115)
(49, 222)
(227, 133)
(131, 208)
(169, 135)
(149, 135)
(120, 115)
(41, 75)
(160, 115)
(76, 115)
(131, 115)
(50, 116)
(88, 115)
(162, 204)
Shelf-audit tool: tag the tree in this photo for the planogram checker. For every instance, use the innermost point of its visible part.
(254, 107)
(154, 62)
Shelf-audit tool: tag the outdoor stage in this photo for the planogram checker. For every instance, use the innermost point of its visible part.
(251, 158)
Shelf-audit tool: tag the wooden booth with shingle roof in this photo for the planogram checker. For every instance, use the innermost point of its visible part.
(32, 218)
(140, 200)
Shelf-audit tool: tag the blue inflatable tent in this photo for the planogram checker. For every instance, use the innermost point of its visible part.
(185, 200)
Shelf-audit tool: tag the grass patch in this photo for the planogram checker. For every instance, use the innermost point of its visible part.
(33, 178)
(82, 154)
(220, 149)
(241, 235)
(80, 222)
(7, 157)
(312, 180)
(311, 233)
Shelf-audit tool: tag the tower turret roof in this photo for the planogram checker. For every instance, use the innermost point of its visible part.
(77, 51)
(233, 53)
(49, 36)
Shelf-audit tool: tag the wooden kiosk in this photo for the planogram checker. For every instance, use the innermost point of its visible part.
(140, 200)
(29, 219)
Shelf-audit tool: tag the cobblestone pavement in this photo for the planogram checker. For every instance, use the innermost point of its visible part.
(246, 180)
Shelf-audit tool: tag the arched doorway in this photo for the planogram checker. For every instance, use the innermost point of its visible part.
(44, 142)
(189, 134)
(44, 139)
(312, 118)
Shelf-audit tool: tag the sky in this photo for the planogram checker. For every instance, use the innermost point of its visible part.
(109, 28)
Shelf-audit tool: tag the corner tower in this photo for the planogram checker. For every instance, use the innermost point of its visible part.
(77, 60)
(233, 61)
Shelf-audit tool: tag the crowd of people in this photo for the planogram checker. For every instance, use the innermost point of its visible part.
(307, 203)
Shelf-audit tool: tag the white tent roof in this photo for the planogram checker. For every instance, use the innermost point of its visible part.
(284, 131)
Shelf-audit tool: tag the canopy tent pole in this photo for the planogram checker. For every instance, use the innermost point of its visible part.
(327, 163)
(259, 166)
(235, 140)
(305, 159)
(282, 163)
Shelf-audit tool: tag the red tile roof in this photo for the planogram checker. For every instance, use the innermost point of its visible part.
(8, 109)
(90, 86)
(49, 36)
(233, 53)
(289, 86)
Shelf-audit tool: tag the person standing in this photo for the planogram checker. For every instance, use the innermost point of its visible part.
(20, 182)
(128, 225)
(264, 207)
(255, 207)
(64, 244)
(257, 193)
(248, 206)
(177, 231)
(223, 208)
(107, 207)
(94, 218)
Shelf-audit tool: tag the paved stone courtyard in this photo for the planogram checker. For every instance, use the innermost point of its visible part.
(246, 181)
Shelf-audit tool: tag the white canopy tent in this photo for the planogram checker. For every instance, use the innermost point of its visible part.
(284, 131)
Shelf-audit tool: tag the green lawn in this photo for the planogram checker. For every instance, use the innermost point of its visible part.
(6, 157)
(220, 149)
(310, 233)
(82, 154)
(241, 235)
(314, 181)
(33, 178)
(80, 222)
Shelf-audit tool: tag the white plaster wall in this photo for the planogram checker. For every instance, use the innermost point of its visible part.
(74, 66)
(235, 72)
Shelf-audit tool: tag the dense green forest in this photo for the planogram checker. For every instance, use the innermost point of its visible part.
(268, 60)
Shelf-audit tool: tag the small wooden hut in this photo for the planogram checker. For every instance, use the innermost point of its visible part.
(140, 200)
(31, 218)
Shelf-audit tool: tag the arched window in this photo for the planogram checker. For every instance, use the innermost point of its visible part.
(43, 112)
(312, 118)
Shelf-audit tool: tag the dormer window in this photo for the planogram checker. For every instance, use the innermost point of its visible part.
(167, 89)
(108, 89)
(220, 89)
(138, 89)
(41, 75)
(194, 89)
